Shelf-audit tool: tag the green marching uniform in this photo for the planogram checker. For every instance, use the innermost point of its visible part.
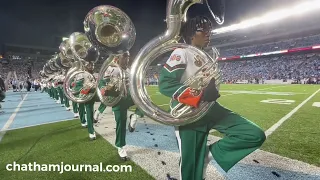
(66, 100)
(120, 115)
(50, 84)
(101, 108)
(241, 136)
(120, 112)
(86, 108)
(44, 87)
(77, 87)
(75, 109)
(63, 99)
(55, 91)
(60, 92)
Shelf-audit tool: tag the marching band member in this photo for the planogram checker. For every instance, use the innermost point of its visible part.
(100, 110)
(60, 89)
(65, 100)
(35, 84)
(2, 91)
(89, 88)
(50, 84)
(86, 86)
(120, 109)
(14, 85)
(78, 84)
(44, 86)
(21, 84)
(242, 137)
(55, 91)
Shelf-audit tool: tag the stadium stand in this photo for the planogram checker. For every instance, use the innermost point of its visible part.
(297, 67)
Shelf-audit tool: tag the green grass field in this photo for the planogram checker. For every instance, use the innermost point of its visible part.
(61, 142)
(297, 138)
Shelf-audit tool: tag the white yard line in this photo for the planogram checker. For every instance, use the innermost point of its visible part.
(11, 118)
(229, 94)
(253, 90)
(278, 124)
(270, 88)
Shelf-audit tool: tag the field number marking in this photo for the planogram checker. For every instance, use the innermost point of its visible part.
(278, 101)
(316, 104)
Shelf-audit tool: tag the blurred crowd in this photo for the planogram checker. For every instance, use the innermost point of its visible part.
(281, 67)
(294, 67)
(274, 46)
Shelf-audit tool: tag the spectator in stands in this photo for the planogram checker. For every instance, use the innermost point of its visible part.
(36, 84)
(28, 85)
(2, 91)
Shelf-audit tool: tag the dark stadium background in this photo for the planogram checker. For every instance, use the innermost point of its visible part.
(32, 30)
(45, 22)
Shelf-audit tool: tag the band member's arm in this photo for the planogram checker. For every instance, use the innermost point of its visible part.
(170, 77)
(107, 89)
(102, 83)
(102, 86)
(88, 86)
(106, 78)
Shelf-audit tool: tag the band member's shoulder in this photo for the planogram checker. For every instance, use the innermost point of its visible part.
(178, 56)
(177, 60)
(179, 51)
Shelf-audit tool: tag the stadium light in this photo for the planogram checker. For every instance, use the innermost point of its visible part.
(298, 9)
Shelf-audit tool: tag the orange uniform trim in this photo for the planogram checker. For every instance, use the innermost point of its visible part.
(189, 98)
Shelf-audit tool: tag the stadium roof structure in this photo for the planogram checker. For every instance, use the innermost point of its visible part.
(276, 23)
(31, 47)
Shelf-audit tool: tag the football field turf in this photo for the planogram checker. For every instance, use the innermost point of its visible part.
(288, 114)
(298, 137)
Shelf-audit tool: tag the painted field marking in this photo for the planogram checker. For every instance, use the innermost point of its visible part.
(283, 119)
(11, 118)
(278, 101)
(316, 104)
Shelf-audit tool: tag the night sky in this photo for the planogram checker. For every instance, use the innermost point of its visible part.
(38, 23)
